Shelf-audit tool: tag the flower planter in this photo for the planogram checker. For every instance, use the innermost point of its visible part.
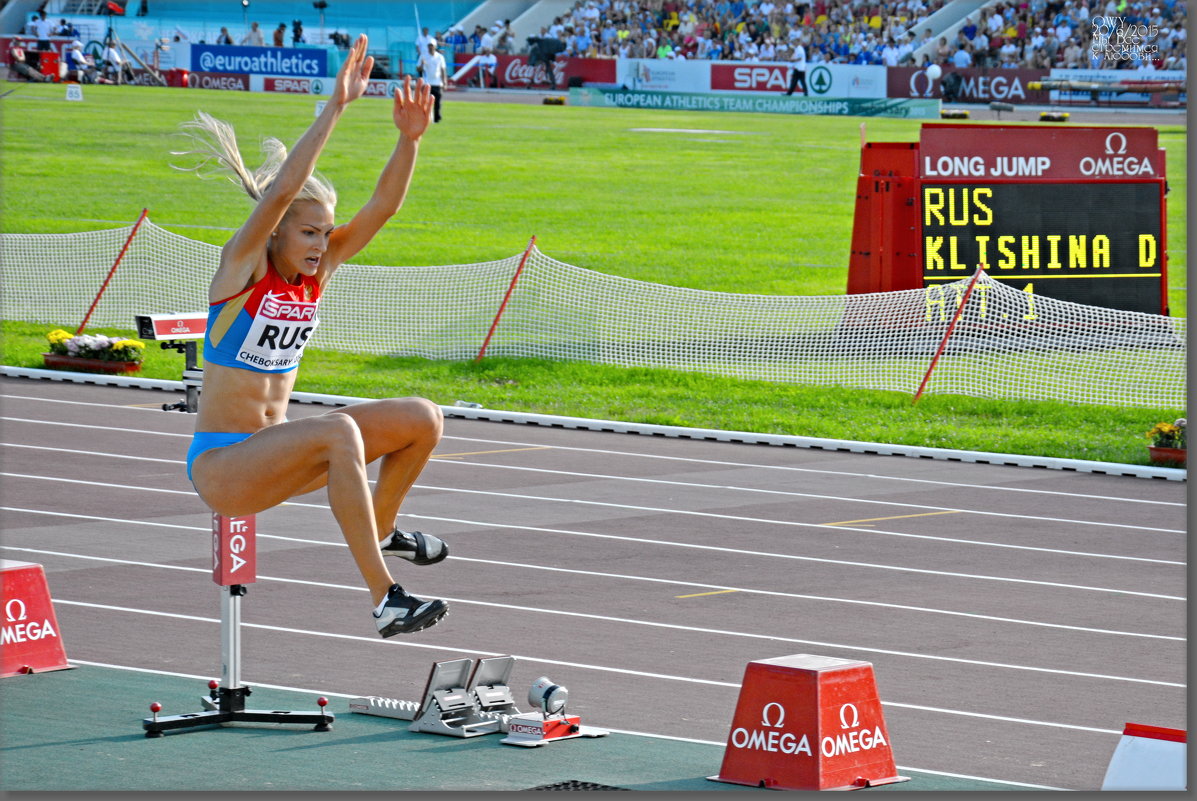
(56, 361)
(1168, 457)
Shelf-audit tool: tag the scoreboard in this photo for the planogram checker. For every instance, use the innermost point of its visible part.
(1076, 214)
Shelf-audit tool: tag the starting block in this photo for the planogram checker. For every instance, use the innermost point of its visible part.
(457, 706)
(808, 722)
(234, 564)
(456, 702)
(178, 332)
(30, 629)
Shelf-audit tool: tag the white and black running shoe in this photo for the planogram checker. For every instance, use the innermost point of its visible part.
(401, 613)
(415, 547)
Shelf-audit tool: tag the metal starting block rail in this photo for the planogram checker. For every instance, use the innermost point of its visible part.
(457, 706)
(178, 332)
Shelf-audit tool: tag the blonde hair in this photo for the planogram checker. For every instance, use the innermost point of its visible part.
(215, 144)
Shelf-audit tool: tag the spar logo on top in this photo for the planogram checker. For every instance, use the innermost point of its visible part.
(822, 80)
(281, 84)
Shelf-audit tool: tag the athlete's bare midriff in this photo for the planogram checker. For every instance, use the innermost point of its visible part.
(242, 401)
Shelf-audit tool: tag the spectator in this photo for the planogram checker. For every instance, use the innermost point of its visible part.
(18, 63)
(43, 29)
(797, 68)
(77, 65)
(488, 65)
(280, 35)
(116, 69)
(432, 67)
(456, 40)
(962, 59)
(422, 42)
(1073, 57)
(225, 38)
(969, 30)
(254, 37)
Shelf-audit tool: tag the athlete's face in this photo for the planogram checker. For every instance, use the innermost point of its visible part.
(299, 244)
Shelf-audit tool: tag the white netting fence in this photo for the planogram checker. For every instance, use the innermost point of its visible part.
(1007, 344)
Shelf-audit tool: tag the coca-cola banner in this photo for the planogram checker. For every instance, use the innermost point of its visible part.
(976, 85)
(514, 72)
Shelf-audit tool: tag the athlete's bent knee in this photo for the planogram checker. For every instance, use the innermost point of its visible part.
(341, 437)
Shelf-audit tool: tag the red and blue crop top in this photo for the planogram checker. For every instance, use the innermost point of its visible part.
(265, 327)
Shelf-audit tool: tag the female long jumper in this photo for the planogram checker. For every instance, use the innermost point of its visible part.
(245, 456)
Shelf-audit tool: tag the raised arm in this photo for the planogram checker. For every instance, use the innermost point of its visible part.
(243, 256)
(412, 112)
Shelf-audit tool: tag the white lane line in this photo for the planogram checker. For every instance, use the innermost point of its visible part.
(839, 498)
(737, 551)
(622, 621)
(738, 518)
(627, 577)
(750, 465)
(93, 427)
(827, 472)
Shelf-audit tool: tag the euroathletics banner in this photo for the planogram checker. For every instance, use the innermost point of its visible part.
(908, 108)
(293, 62)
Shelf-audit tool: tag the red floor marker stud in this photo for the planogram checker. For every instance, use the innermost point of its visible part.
(808, 722)
(30, 641)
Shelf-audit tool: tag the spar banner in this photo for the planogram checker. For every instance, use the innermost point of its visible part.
(291, 62)
(822, 80)
(976, 85)
(907, 108)
(514, 72)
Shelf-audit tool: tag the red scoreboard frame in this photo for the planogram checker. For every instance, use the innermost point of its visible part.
(1075, 213)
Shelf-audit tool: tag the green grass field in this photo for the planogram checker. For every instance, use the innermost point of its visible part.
(751, 203)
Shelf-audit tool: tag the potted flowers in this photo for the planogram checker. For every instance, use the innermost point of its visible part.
(92, 353)
(1168, 444)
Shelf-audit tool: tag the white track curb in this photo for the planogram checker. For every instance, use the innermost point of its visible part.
(677, 432)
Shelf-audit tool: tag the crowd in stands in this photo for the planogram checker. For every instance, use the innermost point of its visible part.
(1037, 34)
(1029, 33)
(1072, 34)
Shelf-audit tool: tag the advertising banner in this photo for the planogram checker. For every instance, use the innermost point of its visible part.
(1122, 76)
(293, 62)
(908, 108)
(977, 85)
(822, 80)
(514, 72)
(663, 75)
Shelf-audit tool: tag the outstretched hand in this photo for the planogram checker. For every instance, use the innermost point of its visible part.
(354, 75)
(413, 110)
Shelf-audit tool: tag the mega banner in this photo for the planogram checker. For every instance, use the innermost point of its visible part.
(976, 85)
